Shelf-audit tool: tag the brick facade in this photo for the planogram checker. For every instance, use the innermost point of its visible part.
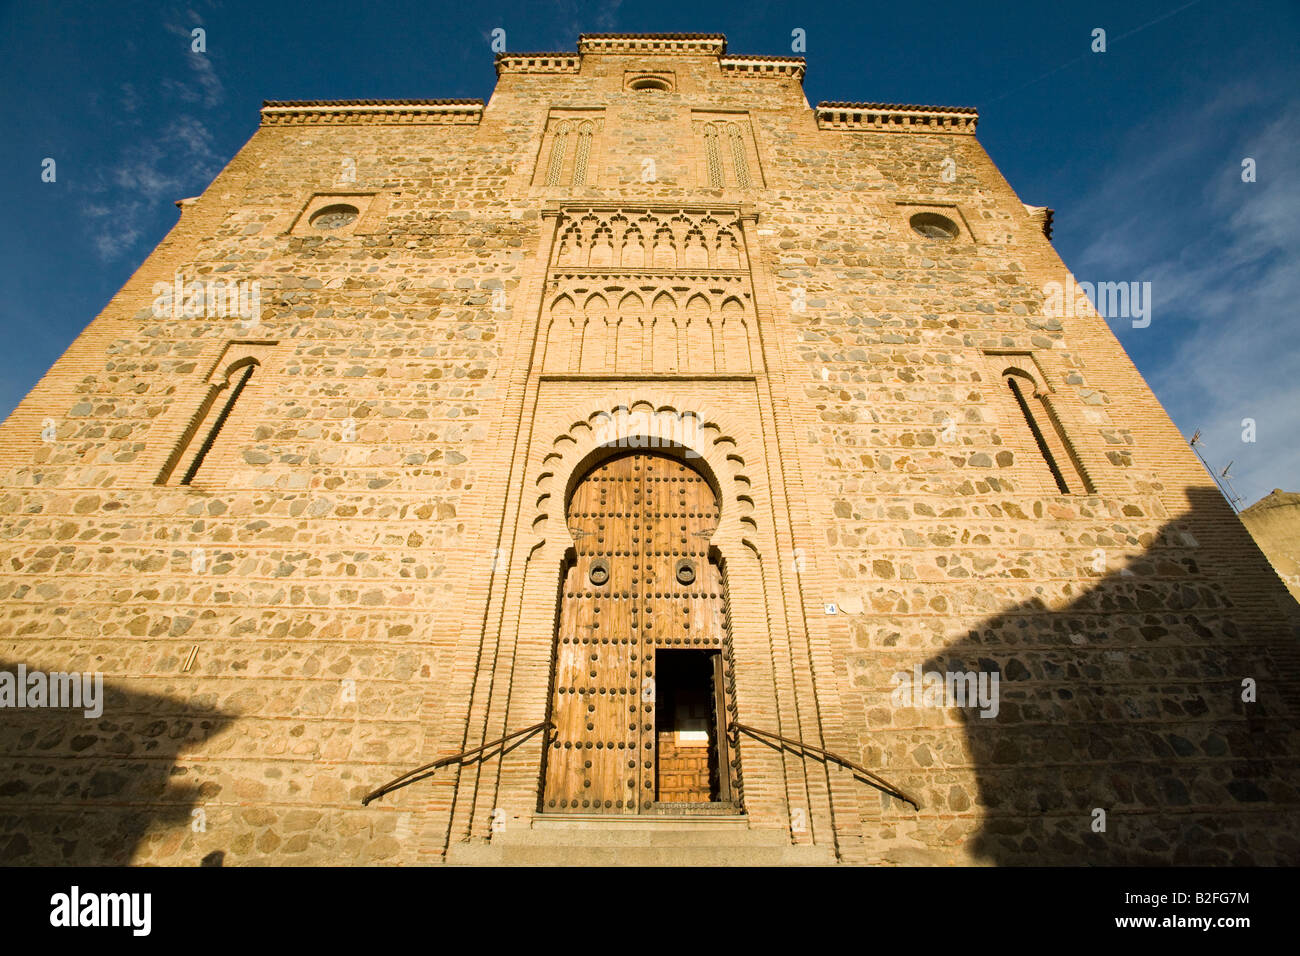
(649, 240)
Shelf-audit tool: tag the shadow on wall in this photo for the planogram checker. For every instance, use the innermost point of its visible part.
(78, 790)
(1129, 701)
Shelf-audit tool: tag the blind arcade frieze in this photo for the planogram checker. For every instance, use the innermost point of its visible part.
(650, 240)
(647, 291)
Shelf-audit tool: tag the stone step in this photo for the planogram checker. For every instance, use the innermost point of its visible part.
(684, 822)
(485, 854)
(639, 837)
(663, 840)
(493, 855)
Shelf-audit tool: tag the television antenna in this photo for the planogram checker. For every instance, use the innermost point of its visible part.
(1221, 478)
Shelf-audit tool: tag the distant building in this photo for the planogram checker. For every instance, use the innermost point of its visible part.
(673, 431)
(1274, 523)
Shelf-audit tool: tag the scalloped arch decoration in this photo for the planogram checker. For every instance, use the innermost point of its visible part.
(702, 437)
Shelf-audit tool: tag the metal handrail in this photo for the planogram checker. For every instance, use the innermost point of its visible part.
(412, 775)
(878, 782)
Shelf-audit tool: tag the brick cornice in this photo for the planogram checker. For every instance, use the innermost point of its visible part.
(764, 65)
(538, 63)
(677, 44)
(897, 118)
(348, 112)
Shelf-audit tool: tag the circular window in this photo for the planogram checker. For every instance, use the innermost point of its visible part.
(334, 217)
(934, 226)
(598, 573)
(650, 83)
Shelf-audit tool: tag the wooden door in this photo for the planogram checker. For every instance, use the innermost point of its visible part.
(641, 581)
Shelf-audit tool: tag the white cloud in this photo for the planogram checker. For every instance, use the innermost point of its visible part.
(210, 91)
(152, 171)
(166, 153)
(206, 75)
(1225, 285)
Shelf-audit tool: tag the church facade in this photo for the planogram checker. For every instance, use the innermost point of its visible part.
(643, 466)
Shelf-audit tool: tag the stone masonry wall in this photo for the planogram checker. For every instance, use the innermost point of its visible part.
(352, 517)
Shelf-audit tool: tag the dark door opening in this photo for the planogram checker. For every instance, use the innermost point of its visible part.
(687, 697)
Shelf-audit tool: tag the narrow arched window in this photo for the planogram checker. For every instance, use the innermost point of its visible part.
(1016, 384)
(584, 151)
(558, 145)
(738, 155)
(211, 417)
(240, 377)
(712, 155)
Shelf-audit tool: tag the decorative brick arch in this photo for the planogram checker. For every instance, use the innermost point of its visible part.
(701, 437)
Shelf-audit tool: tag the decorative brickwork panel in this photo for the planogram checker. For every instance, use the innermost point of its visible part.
(731, 159)
(619, 304)
(569, 149)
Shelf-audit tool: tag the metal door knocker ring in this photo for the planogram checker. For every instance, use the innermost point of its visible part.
(685, 572)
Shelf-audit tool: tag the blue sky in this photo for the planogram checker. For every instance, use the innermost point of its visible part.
(1138, 149)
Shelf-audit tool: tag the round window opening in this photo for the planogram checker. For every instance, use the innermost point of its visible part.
(934, 226)
(650, 83)
(334, 217)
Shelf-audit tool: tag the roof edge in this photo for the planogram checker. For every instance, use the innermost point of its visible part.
(897, 118)
(283, 104)
(383, 112)
(910, 107)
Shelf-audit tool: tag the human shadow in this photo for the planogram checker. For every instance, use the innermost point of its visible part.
(1121, 735)
(79, 790)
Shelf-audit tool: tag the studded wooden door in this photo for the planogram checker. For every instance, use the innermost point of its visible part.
(641, 581)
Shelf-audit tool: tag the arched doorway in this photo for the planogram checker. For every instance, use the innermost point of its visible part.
(640, 674)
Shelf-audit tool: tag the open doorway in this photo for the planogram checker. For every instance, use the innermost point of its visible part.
(690, 749)
(639, 590)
